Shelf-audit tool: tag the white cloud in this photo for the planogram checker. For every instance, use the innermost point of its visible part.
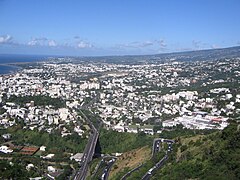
(5, 39)
(83, 45)
(32, 43)
(42, 42)
(38, 42)
(136, 44)
(76, 42)
(52, 43)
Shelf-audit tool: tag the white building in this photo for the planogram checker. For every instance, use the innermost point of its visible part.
(5, 150)
(51, 169)
(77, 157)
(169, 123)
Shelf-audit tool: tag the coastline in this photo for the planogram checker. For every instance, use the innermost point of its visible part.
(11, 64)
(8, 69)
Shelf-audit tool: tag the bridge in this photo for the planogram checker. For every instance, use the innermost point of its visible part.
(89, 150)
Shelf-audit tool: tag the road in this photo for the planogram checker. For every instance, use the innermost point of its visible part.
(109, 161)
(162, 161)
(156, 146)
(88, 153)
(106, 170)
(155, 149)
(130, 172)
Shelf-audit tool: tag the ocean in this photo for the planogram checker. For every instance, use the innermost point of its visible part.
(6, 59)
(6, 69)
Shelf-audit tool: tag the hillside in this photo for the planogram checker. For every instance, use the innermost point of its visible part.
(214, 156)
(130, 160)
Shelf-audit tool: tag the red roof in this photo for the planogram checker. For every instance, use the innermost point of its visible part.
(29, 150)
(216, 119)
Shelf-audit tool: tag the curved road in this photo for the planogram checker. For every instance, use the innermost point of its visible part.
(107, 169)
(155, 149)
(162, 161)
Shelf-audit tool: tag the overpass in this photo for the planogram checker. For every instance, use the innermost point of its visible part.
(89, 150)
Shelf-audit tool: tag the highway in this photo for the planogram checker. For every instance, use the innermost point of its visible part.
(106, 170)
(156, 148)
(89, 151)
(104, 167)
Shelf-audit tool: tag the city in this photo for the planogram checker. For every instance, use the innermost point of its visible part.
(136, 98)
(119, 90)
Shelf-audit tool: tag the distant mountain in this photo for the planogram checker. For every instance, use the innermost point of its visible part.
(209, 54)
(199, 55)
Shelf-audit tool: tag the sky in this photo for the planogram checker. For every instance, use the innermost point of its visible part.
(117, 27)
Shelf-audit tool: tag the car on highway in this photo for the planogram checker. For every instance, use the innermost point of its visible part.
(103, 176)
(150, 171)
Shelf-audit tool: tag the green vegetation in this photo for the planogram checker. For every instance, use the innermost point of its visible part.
(173, 133)
(66, 173)
(16, 168)
(38, 101)
(54, 142)
(120, 174)
(113, 141)
(93, 164)
(2, 110)
(15, 171)
(213, 156)
(178, 131)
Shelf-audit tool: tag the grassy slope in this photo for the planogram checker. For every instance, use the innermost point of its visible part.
(130, 160)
